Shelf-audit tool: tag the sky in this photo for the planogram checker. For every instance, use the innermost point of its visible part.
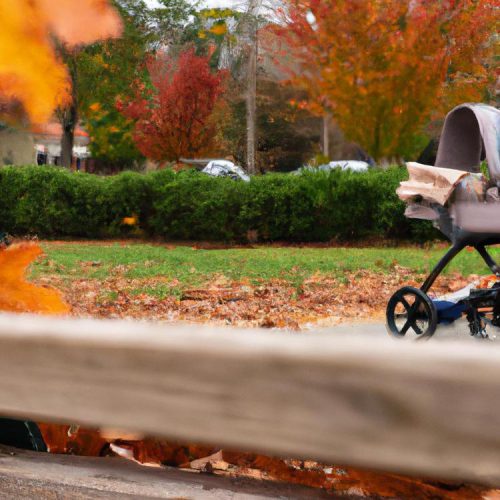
(208, 3)
(237, 4)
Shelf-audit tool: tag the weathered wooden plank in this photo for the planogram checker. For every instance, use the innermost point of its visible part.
(425, 408)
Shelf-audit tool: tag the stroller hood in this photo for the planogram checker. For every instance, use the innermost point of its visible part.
(471, 133)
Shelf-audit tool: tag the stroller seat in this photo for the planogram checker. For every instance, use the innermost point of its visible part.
(461, 199)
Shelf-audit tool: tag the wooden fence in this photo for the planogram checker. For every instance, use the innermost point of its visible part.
(423, 408)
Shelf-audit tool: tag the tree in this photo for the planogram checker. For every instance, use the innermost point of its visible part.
(67, 111)
(214, 31)
(106, 71)
(384, 67)
(288, 132)
(173, 117)
(103, 72)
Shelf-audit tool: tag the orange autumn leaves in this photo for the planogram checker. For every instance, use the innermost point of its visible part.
(385, 68)
(16, 294)
(30, 71)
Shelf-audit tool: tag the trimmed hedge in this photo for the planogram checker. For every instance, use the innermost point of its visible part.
(52, 202)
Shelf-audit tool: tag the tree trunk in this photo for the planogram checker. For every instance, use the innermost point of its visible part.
(68, 115)
(68, 123)
(326, 134)
(251, 98)
(250, 34)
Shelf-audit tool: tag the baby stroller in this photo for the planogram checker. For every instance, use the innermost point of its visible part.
(464, 205)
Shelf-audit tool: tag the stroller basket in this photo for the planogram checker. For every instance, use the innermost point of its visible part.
(465, 205)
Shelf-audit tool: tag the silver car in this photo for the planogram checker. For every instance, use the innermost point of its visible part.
(226, 168)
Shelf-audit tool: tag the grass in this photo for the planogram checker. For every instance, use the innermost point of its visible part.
(191, 267)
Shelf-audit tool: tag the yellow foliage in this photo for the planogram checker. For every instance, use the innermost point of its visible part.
(29, 68)
(217, 13)
(219, 29)
(130, 221)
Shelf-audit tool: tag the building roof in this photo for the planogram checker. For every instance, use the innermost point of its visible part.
(54, 129)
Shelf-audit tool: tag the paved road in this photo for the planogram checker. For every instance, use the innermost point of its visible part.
(28, 475)
(458, 332)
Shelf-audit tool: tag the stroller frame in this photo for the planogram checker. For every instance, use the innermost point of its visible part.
(471, 132)
(457, 247)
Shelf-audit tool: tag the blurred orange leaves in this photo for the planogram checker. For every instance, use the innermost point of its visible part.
(16, 294)
(30, 71)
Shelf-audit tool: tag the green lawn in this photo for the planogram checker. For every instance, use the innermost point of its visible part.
(191, 266)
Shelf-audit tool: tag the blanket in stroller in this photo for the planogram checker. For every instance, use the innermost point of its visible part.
(429, 188)
(432, 184)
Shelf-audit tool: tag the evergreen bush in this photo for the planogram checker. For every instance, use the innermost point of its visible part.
(52, 202)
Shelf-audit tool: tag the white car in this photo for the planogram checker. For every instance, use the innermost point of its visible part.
(226, 168)
(354, 165)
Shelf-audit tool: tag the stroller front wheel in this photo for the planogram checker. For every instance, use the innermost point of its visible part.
(410, 309)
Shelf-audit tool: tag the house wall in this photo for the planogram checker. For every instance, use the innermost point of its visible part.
(17, 147)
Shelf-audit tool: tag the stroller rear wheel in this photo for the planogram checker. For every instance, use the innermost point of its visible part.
(410, 309)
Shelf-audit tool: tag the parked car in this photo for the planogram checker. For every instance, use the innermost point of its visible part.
(226, 168)
(353, 165)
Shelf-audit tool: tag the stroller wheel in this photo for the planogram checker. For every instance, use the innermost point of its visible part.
(411, 310)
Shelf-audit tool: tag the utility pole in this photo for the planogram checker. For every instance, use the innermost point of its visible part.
(251, 90)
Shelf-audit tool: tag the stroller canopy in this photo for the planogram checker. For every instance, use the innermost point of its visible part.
(471, 133)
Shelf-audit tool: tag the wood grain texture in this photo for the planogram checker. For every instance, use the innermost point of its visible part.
(423, 408)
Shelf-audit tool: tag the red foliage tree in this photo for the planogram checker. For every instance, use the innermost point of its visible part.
(174, 115)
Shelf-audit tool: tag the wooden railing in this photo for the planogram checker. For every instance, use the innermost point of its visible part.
(425, 408)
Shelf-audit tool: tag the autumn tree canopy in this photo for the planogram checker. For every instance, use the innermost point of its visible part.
(383, 67)
(173, 115)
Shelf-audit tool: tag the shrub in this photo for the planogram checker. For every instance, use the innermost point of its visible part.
(196, 206)
(53, 202)
(315, 206)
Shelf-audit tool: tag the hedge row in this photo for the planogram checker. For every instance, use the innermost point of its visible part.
(52, 203)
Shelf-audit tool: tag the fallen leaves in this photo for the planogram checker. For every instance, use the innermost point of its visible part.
(341, 481)
(356, 296)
